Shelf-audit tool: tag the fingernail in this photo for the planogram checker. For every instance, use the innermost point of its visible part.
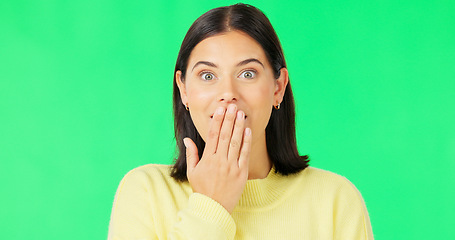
(231, 109)
(240, 115)
(184, 142)
(248, 131)
(220, 110)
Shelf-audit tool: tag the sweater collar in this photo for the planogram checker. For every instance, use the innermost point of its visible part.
(259, 193)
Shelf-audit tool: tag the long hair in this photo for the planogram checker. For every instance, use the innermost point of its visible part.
(280, 131)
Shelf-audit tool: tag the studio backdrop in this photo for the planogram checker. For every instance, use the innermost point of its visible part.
(85, 96)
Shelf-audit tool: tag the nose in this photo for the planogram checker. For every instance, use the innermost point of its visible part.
(227, 91)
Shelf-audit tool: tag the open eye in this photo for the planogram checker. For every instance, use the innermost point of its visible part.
(206, 76)
(248, 74)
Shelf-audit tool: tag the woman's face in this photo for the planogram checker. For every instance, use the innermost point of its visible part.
(231, 68)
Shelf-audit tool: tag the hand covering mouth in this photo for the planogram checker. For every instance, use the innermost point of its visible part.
(211, 116)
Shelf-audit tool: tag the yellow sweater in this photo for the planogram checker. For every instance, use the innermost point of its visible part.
(313, 204)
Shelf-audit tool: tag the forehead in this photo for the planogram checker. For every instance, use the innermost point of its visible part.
(227, 48)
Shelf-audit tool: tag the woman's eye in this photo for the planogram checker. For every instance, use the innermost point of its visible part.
(207, 76)
(248, 74)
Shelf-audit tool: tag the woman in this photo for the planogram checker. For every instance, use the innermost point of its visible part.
(238, 174)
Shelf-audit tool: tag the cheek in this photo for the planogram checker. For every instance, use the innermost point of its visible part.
(199, 102)
(260, 101)
(197, 98)
(261, 96)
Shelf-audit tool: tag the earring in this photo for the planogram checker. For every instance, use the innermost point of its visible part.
(186, 107)
(277, 106)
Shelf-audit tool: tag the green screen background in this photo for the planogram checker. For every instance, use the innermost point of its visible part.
(85, 96)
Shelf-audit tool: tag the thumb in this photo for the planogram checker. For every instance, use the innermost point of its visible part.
(192, 157)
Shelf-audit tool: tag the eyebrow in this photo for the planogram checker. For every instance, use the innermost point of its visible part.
(210, 64)
(244, 62)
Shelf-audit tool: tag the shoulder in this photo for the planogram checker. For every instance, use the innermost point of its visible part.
(325, 177)
(150, 170)
(329, 184)
(148, 176)
(338, 196)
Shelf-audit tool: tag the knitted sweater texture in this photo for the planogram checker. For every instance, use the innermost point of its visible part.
(312, 204)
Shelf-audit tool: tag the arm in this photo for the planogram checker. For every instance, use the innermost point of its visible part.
(134, 218)
(131, 216)
(203, 219)
(351, 220)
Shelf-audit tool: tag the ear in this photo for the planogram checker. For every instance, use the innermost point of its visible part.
(181, 86)
(280, 86)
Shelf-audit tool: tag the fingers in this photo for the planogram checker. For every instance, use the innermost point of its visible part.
(226, 130)
(237, 137)
(245, 151)
(226, 134)
(192, 157)
(214, 131)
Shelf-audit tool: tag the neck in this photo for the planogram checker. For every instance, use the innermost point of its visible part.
(259, 164)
